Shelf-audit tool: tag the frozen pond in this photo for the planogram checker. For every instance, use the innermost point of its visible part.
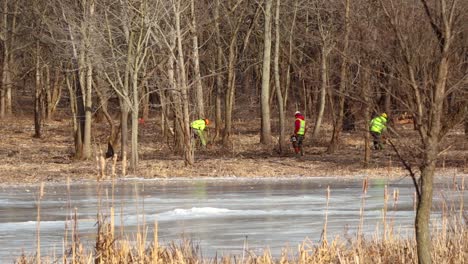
(221, 215)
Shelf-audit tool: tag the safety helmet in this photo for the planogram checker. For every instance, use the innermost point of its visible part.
(207, 121)
(384, 115)
(297, 113)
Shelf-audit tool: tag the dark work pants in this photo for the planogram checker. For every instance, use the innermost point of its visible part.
(377, 138)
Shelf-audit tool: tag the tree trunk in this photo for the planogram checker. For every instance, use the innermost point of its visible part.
(9, 29)
(145, 100)
(112, 139)
(164, 114)
(80, 115)
(423, 212)
(231, 85)
(71, 85)
(265, 136)
(48, 93)
(219, 76)
(175, 97)
(52, 91)
(230, 91)
(323, 90)
(124, 110)
(56, 91)
(6, 83)
(367, 106)
(282, 135)
(88, 100)
(37, 96)
(338, 124)
(466, 125)
(135, 107)
(290, 57)
(196, 65)
(6, 66)
(188, 148)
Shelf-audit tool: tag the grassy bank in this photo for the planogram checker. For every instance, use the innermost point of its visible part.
(28, 160)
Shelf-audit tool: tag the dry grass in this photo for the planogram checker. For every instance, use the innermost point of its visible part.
(25, 159)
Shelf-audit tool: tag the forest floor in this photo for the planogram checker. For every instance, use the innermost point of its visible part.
(28, 160)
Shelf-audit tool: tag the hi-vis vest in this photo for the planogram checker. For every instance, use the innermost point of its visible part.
(378, 124)
(198, 124)
(301, 127)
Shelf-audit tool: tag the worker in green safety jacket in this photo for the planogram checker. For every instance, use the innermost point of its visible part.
(377, 126)
(198, 127)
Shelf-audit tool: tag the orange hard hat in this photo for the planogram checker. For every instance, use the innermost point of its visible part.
(207, 121)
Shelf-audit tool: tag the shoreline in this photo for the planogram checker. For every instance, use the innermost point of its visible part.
(130, 178)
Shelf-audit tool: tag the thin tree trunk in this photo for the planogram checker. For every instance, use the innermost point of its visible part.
(466, 124)
(196, 65)
(323, 90)
(219, 76)
(145, 101)
(338, 124)
(282, 135)
(89, 81)
(175, 96)
(188, 152)
(56, 91)
(135, 108)
(112, 139)
(165, 109)
(367, 106)
(5, 67)
(9, 104)
(88, 111)
(48, 93)
(291, 43)
(388, 100)
(80, 115)
(265, 136)
(72, 85)
(8, 36)
(37, 96)
(230, 91)
(124, 111)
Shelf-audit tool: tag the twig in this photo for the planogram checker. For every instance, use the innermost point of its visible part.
(408, 168)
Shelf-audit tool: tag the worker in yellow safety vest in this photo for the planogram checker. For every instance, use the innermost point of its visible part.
(299, 131)
(378, 125)
(198, 127)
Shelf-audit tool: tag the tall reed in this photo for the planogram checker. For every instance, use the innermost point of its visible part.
(450, 241)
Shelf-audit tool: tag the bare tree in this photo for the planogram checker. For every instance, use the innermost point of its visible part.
(235, 23)
(427, 100)
(78, 21)
(7, 37)
(219, 67)
(196, 64)
(279, 94)
(37, 94)
(340, 96)
(126, 72)
(326, 46)
(188, 151)
(265, 135)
